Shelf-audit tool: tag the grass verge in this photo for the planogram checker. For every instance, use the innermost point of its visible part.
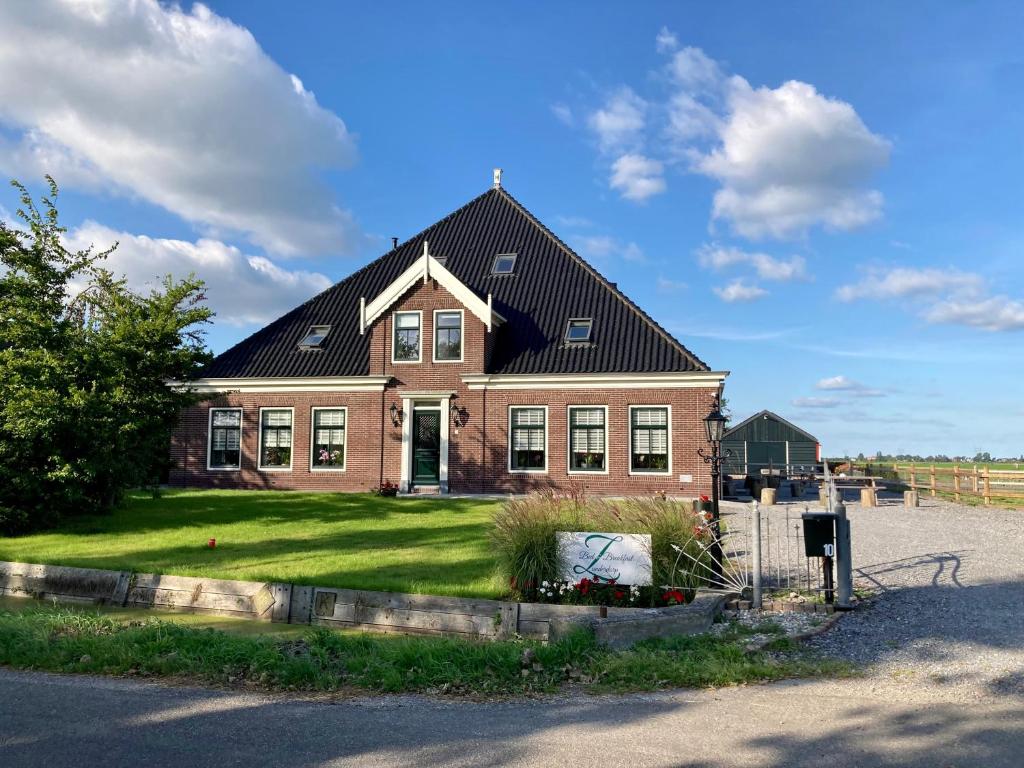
(62, 639)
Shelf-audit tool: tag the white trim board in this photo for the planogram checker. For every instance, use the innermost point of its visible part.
(688, 379)
(286, 384)
(427, 268)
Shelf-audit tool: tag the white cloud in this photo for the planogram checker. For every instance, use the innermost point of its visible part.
(637, 177)
(600, 247)
(737, 290)
(786, 159)
(996, 313)
(845, 384)
(242, 289)
(948, 296)
(573, 222)
(180, 108)
(667, 286)
(767, 267)
(619, 124)
(902, 282)
(563, 113)
(695, 71)
(816, 402)
(789, 158)
(666, 40)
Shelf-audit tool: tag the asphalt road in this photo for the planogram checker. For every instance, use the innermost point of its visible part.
(54, 721)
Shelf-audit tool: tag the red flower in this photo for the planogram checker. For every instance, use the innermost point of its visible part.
(709, 516)
(674, 597)
(704, 498)
(619, 594)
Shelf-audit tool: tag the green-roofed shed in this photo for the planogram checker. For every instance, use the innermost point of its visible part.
(768, 441)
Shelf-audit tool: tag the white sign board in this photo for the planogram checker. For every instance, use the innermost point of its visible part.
(622, 557)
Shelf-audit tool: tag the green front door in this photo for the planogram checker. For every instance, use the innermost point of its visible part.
(426, 447)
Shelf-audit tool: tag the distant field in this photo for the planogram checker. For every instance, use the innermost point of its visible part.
(1010, 465)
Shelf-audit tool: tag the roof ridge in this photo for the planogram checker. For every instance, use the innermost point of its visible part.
(602, 279)
(766, 412)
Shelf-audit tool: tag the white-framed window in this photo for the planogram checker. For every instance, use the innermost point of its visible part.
(577, 330)
(448, 335)
(314, 336)
(588, 449)
(224, 439)
(504, 264)
(528, 438)
(407, 337)
(650, 439)
(276, 438)
(328, 439)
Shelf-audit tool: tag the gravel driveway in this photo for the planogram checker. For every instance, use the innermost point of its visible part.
(950, 604)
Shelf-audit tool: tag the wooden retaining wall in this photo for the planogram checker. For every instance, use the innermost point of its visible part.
(346, 608)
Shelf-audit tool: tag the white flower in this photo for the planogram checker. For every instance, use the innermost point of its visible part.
(544, 584)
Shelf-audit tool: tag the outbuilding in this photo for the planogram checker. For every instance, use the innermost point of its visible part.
(768, 441)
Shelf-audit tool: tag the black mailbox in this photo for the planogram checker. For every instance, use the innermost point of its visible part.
(819, 534)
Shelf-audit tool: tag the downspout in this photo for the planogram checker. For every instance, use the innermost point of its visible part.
(383, 399)
(483, 447)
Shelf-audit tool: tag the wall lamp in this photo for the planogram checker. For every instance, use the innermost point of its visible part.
(396, 414)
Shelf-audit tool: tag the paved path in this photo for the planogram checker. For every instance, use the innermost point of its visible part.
(943, 645)
(52, 721)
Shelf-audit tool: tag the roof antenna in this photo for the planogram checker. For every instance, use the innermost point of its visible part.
(497, 178)
(394, 243)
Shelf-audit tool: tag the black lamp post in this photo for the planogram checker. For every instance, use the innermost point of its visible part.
(714, 425)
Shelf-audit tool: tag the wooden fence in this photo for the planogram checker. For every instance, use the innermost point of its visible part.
(957, 481)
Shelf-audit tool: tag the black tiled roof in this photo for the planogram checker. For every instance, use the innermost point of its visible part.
(550, 284)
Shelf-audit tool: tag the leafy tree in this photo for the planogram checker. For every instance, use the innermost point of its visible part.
(85, 411)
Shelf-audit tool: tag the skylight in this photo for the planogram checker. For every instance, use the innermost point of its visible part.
(315, 336)
(578, 330)
(504, 264)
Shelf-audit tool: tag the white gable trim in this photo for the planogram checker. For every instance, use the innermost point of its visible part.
(427, 267)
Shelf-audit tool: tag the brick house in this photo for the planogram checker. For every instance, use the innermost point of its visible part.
(480, 356)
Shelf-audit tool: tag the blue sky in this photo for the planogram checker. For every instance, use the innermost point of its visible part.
(824, 199)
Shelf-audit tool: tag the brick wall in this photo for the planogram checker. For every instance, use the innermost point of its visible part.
(478, 449)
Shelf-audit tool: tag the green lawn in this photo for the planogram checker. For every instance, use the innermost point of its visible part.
(359, 541)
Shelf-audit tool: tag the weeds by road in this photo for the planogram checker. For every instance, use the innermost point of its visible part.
(60, 639)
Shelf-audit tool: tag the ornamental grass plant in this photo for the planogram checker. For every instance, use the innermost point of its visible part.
(525, 538)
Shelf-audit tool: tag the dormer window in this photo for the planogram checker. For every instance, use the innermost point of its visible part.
(314, 336)
(504, 264)
(578, 330)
